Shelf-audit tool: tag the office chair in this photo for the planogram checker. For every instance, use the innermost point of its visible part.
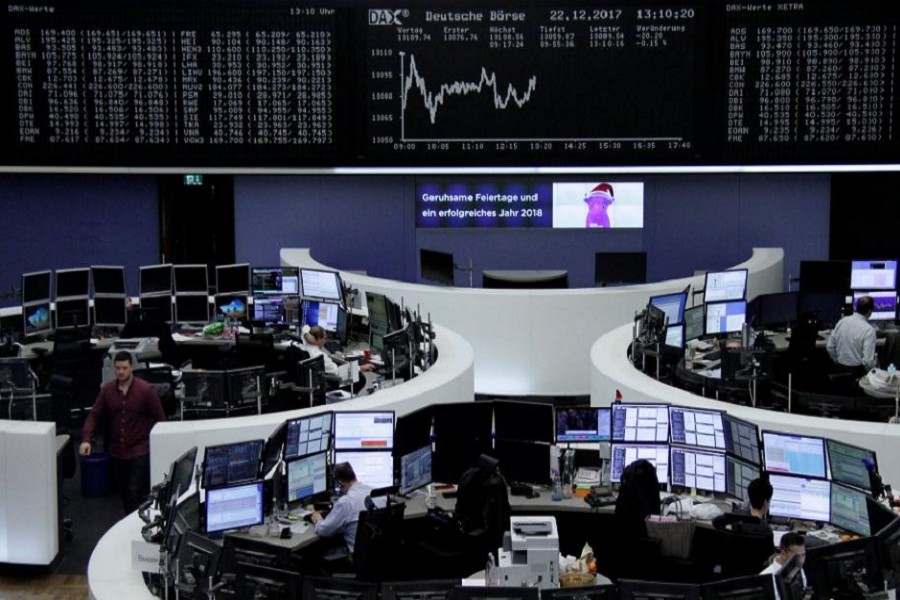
(722, 554)
(164, 382)
(377, 551)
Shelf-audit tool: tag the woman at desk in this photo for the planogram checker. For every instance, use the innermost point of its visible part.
(314, 339)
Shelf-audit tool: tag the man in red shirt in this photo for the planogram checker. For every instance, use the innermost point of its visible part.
(132, 408)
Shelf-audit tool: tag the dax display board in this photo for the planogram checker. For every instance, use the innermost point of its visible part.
(356, 83)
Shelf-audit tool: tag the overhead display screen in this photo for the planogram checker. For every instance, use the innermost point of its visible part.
(361, 83)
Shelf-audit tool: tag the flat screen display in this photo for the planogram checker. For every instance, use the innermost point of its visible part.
(325, 285)
(231, 306)
(698, 470)
(622, 455)
(873, 275)
(155, 279)
(742, 439)
(694, 323)
(234, 507)
(776, 310)
(36, 287)
(415, 469)
(884, 304)
(587, 424)
(108, 280)
(436, 266)
(523, 421)
(675, 336)
(73, 283)
(192, 308)
(724, 286)
(671, 304)
(191, 279)
(640, 422)
(696, 427)
(233, 279)
(375, 468)
(308, 435)
(849, 510)
(363, 430)
(307, 476)
(110, 312)
(284, 281)
(228, 464)
(36, 318)
(794, 454)
(801, 498)
(848, 464)
(725, 317)
(159, 308)
(73, 312)
(738, 476)
(327, 315)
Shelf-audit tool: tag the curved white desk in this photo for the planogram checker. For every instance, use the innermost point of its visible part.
(537, 342)
(611, 370)
(110, 576)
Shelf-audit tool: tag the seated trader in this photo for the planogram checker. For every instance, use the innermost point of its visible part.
(791, 544)
(344, 515)
(851, 345)
(314, 343)
(133, 408)
(751, 519)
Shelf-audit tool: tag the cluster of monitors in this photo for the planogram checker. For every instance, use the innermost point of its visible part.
(215, 389)
(72, 290)
(856, 278)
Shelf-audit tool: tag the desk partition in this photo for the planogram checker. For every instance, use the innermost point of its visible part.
(537, 342)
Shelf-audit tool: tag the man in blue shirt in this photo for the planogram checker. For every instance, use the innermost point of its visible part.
(344, 515)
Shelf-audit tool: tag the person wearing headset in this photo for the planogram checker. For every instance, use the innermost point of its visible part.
(314, 339)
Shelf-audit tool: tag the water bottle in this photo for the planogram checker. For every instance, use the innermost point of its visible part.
(557, 495)
(490, 571)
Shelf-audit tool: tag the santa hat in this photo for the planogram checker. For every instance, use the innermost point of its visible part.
(603, 191)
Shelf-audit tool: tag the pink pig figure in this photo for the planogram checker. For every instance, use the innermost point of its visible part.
(598, 201)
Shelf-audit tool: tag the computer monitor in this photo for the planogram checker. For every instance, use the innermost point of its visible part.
(462, 432)
(696, 469)
(159, 307)
(675, 336)
(789, 580)
(192, 309)
(184, 518)
(274, 449)
(191, 279)
(233, 279)
(794, 454)
(725, 286)
(228, 464)
(742, 439)
(231, 306)
(36, 287)
(434, 589)
(640, 422)
(523, 421)
(413, 430)
(824, 276)
(308, 435)
(654, 323)
(155, 279)
(324, 285)
(108, 280)
(436, 266)
(838, 570)
(234, 507)
(802, 498)
(725, 317)
(330, 316)
(307, 476)
(110, 312)
(583, 424)
(671, 304)
(275, 310)
(849, 510)
(826, 307)
(36, 318)
(376, 305)
(850, 464)
(244, 385)
(738, 476)
(884, 304)
(73, 312)
(657, 590)
(523, 462)
(697, 427)
(181, 473)
(279, 281)
(622, 455)
(375, 468)
(751, 587)
(73, 283)
(694, 322)
(370, 430)
(873, 275)
(415, 469)
(776, 310)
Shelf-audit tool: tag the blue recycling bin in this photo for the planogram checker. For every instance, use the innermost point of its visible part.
(95, 475)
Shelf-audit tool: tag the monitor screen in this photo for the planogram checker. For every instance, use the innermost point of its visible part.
(73, 312)
(462, 432)
(824, 276)
(738, 476)
(375, 468)
(192, 308)
(185, 517)
(671, 304)
(413, 430)
(307, 477)
(436, 266)
(523, 462)
(155, 279)
(873, 275)
(742, 439)
(283, 281)
(231, 306)
(363, 430)
(622, 455)
(794, 454)
(376, 304)
(524, 421)
(845, 569)
(694, 323)
(698, 470)
(776, 310)
(725, 317)
(110, 312)
(159, 308)
(848, 464)
(72, 283)
(749, 587)
(108, 280)
(227, 464)
(36, 287)
(36, 318)
(675, 336)
(696, 427)
(849, 510)
(308, 435)
(274, 449)
(826, 307)
(234, 507)
(325, 285)
(191, 279)
(724, 286)
(640, 422)
(181, 473)
(274, 309)
(415, 469)
(801, 498)
(586, 424)
(884, 304)
(327, 315)
(233, 279)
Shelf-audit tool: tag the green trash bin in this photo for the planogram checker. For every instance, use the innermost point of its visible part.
(95, 475)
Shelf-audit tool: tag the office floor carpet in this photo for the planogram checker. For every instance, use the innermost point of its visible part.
(48, 587)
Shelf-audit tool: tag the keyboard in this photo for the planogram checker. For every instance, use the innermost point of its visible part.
(712, 356)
